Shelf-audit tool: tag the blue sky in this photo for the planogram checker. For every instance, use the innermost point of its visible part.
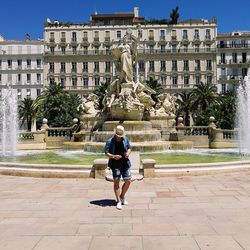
(19, 17)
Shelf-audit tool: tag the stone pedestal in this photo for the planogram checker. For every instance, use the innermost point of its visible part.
(100, 166)
(148, 167)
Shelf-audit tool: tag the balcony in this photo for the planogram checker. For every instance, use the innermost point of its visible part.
(196, 40)
(73, 41)
(197, 68)
(185, 40)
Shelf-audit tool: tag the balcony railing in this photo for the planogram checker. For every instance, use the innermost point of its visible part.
(140, 51)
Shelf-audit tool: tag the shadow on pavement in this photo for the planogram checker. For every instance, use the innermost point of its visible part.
(104, 203)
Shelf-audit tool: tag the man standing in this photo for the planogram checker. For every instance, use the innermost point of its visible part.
(118, 149)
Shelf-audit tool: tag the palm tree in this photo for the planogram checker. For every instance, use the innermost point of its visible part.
(156, 86)
(174, 15)
(27, 112)
(100, 91)
(184, 101)
(204, 95)
(58, 106)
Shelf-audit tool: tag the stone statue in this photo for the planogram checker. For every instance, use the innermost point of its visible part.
(89, 105)
(144, 92)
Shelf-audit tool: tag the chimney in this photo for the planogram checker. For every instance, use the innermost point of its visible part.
(136, 11)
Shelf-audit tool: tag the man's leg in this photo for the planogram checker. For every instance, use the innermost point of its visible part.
(125, 187)
(117, 189)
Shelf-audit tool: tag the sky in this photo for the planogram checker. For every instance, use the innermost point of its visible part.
(18, 17)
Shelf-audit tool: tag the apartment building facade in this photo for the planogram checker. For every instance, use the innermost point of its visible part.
(179, 56)
(21, 66)
(233, 59)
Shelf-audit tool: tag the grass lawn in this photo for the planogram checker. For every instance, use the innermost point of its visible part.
(190, 158)
(83, 159)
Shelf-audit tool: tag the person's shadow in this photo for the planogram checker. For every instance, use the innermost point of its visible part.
(104, 203)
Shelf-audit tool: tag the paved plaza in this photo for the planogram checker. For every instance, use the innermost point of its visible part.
(185, 212)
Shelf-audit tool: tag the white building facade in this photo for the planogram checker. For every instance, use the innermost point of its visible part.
(179, 56)
(21, 67)
(233, 59)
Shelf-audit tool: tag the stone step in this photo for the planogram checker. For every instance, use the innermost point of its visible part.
(152, 146)
(134, 136)
(128, 125)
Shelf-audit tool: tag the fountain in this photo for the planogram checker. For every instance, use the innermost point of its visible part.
(8, 122)
(243, 114)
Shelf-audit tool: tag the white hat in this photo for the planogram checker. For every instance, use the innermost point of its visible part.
(119, 131)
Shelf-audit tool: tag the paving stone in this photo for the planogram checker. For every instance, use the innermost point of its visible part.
(215, 242)
(169, 243)
(64, 243)
(19, 242)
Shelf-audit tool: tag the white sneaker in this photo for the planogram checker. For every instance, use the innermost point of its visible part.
(119, 205)
(124, 202)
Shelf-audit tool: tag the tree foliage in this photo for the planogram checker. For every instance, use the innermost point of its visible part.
(59, 106)
(174, 15)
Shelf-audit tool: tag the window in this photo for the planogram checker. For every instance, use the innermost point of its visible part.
(174, 47)
(209, 79)
(85, 82)
(108, 79)
(74, 82)
(174, 65)
(85, 50)
(234, 55)
(52, 50)
(222, 58)
(0, 78)
(185, 34)
(163, 48)
(85, 67)
(74, 37)
(63, 67)
(107, 67)
(107, 35)
(197, 65)
(28, 93)
(97, 81)
(141, 66)
(223, 88)
(208, 35)
(186, 65)
(151, 66)
(197, 48)
(28, 78)
(96, 36)
(108, 50)
(197, 80)
(28, 63)
(85, 36)
(162, 34)
(19, 78)
(19, 94)
(185, 50)
(196, 34)
(163, 80)
(38, 63)
(74, 67)
(52, 80)
(174, 81)
(151, 48)
(163, 65)
(63, 37)
(96, 50)
(173, 35)
(96, 67)
(51, 67)
(74, 50)
(186, 81)
(38, 78)
(52, 36)
(62, 82)
(0, 64)
(63, 49)
(151, 34)
(38, 92)
(9, 64)
(209, 64)
(19, 63)
(118, 34)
